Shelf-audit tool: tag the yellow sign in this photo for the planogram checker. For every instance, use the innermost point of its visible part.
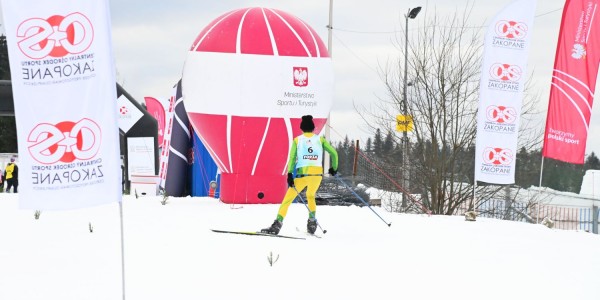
(404, 123)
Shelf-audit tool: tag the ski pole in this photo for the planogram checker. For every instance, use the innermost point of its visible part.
(361, 199)
(306, 205)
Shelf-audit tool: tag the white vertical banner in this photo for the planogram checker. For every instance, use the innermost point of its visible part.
(166, 145)
(64, 89)
(503, 77)
(140, 156)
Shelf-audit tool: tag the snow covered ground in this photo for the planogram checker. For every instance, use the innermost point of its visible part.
(170, 253)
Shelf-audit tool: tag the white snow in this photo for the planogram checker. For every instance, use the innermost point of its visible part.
(170, 253)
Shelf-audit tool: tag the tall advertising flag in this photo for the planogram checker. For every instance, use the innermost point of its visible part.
(506, 49)
(157, 110)
(179, 149)
(573, 82)
(166, 141)
(64, 90)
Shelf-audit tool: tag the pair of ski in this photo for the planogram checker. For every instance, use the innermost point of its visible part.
(258, 233)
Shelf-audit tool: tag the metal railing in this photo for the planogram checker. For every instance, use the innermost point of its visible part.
(565, 218)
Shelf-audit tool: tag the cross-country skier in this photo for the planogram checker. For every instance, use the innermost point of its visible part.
(306, 158)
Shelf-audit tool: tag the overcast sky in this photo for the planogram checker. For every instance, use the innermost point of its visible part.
(151, 40)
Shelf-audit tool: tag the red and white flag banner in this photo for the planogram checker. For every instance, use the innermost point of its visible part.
(505, 56)
(573, 82)
(166, 141)
(157, 110)
(64, 89)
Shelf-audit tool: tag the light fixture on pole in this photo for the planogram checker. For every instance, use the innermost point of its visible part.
(412, 13)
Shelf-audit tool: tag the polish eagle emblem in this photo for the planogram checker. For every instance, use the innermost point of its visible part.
(300, 76)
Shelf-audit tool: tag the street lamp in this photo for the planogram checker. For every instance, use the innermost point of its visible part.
(330, 50)
(412, 13)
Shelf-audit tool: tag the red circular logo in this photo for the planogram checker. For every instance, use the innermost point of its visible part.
(511, 29)
(506, 72)
(497, 156)
(65, 141)
(501, 114)
(56, 36)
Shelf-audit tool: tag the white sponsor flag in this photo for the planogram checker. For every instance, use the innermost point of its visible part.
(506, 49)
(64, 90)
(166, 145)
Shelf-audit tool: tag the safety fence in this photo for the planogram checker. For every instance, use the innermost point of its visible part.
(562, 217)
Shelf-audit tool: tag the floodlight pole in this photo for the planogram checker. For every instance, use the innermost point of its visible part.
(411, 14)
(329, 28)
(326, 163)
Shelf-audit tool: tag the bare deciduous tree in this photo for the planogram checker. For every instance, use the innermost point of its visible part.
(444, 65)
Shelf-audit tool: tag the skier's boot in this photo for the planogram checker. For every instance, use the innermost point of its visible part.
(274, 229)
(311, 225)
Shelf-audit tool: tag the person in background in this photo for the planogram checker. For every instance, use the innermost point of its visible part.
(11, 175)
(1, 181)
(306, 158)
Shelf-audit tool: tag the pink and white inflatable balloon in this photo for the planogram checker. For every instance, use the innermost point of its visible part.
(249, 77)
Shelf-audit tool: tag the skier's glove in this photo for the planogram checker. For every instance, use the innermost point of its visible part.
(332, 172)
(290, 179)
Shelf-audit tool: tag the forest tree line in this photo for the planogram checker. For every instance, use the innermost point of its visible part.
(382, 149)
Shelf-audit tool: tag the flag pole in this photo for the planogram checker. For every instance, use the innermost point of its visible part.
(474, 199)
(122, 249)
(537, 218)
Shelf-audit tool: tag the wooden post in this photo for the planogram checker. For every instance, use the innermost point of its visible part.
(355, 163)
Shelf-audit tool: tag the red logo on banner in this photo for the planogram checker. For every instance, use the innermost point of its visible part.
(56, 36)
(506, 72)
(300, 76)
(497, 156)
(511, 29)
(501, 114)
(65, 141)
